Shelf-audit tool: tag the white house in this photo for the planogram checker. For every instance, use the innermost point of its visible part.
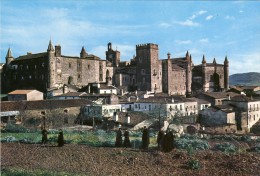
(100, 111)
(29, 95)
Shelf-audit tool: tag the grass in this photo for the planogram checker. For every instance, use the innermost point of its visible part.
(92, 138)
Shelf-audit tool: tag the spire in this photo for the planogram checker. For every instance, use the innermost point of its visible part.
(187, 54)
(214, 61)
(83, 52)
(203, 59)
(9, 53)
(226, 60)
(50, 47)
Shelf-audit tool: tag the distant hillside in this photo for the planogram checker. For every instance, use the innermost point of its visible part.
(251, 78)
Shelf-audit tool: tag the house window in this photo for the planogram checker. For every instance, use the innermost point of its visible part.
(135, 105)
(139, 106)
(180, 107)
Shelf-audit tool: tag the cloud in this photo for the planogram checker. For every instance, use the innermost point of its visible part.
(183, 41)
(241, 11)
(209, 17)
(165, 25)
(204, 40)
(229, 17)
(187, 23)
(241, 63)
(197, 14)
(202, 12)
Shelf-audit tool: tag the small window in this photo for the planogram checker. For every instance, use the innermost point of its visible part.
(69, 65)
(78, 75)
(88, 66)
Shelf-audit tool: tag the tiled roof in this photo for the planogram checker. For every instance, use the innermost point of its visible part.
(104, 86)
(41, 104)
(165, 100)
(71, 94)
(241, 98)
(20, 92)
(224, 108)
(218, 95)
(135, 117)
(32, 56)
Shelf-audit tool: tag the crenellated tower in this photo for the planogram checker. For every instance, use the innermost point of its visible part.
(112, 56)
(149, 68)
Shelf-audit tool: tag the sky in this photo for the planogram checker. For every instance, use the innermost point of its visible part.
(212, 28)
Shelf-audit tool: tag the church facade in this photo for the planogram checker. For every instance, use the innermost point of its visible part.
(145, 71)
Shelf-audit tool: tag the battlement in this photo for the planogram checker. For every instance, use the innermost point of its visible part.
(147, 46)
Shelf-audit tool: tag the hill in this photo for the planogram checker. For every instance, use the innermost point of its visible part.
(248, 79)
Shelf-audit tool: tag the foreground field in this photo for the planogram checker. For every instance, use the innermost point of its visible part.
(72, 159)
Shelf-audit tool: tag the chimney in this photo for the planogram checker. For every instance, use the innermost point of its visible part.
(128, 99)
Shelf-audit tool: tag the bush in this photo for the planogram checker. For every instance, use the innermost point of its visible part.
(14, 128)
(197, 144)
(193, 164)
(9, 139)
(225, 147)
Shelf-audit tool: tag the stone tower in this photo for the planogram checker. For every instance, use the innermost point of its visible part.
(51, 66)
(204, 80)
(148, 68)
(112, 56)
(188, 74)
(226, 74)
(9, 58)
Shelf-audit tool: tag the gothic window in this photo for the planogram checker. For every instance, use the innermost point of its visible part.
(78, 75)
(143, 71)
(140, 59)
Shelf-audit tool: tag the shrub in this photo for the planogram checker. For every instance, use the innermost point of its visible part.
(193, 164)
(14, 128)
(197, 144)
(9, 139)
(225, 147)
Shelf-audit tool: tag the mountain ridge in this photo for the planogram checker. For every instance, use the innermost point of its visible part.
(247, 79)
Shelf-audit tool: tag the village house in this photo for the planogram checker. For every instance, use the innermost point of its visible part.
(56, 113)
(29, 95)
(216, 98)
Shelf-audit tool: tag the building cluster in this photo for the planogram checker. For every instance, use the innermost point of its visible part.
(50, 71)
(137, 93)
